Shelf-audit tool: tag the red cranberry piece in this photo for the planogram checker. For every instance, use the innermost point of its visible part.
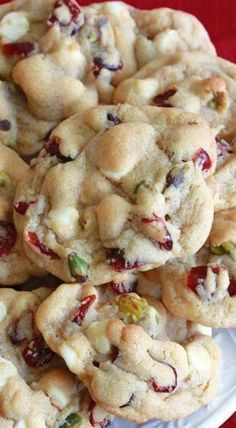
(232, 287)
(203, 159)
(22, 49)
(196, 276)
(167, 243)
(223, 148)
(22, 206)
(123, 287)
(75, 21)
(114, 119)
(116, 259)
(7, 237)
(52, 146)
(83, 309)
(168, 389)
(35, 242)
(161, 100)
(5, 125)
(115, 353)
(23, 328)
(99, 64)
(36, 353)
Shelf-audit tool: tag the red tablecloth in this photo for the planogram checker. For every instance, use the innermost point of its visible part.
(218, 16)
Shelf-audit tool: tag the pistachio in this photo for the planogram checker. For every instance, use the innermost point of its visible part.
(71, 420)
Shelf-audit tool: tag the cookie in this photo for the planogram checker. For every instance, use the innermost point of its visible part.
(15, 267)
(113, 342)
(18, 128)
(165, 31)
(203, 289)
(222, 183)
(192, 81)
(65, 57)
(36, 389)
(118, 188)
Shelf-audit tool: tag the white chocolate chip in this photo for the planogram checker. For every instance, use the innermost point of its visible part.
(199, 362)
(96, 334)
(7, 370)
(20, 424)
(63, 222)
(3, 311)
(167, 41)
(69, 355)
(14, 26)
(200, 329)
(63, 14)
(59, 398)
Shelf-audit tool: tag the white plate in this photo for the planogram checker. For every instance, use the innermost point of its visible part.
(224, 405)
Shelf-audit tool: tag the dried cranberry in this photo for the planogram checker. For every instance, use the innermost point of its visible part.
(223, 147)
(22, 206)
(124, 287)
(22, 49)
(115, 258)
(5, 125)
(161, 99)
(115, 353)
(52, 146)
(35, 242)
(196, 276)
(232, 287)
(36, 353)
(203, 159)
(23, 328)
(128, 402)
(74, 22)
(167, 243)
(99, 64)
(114, 119)
(83, 309)
(7, 237)
(168, 389)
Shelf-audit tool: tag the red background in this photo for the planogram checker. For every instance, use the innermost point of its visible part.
(218, 16)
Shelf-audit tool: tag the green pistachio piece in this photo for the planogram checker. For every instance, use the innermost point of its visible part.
(4, 178)
(71, 420)
(78, 266)
(138, 185)
(132, 306)
(92, 37)
(224, 248)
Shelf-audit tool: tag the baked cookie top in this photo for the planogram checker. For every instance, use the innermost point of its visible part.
(19, 129)
(203, 288)
(35, 387)
(66, 57)
(115, 342)
(15, 267)
(222, 183)
(192, 81)
(118, 188)
(165, 31)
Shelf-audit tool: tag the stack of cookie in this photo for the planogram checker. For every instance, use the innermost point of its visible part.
(117, 170)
